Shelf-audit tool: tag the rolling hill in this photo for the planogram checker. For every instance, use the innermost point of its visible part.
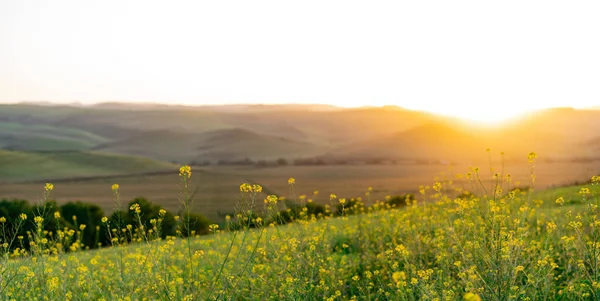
(45, 137)
(434, 141)
(223, 144)
(442, 141)
(267, 132)
(236, 144)
(42, 166)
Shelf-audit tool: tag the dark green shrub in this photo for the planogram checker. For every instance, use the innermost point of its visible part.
(10, 209)
(194, 224)
(79, 213)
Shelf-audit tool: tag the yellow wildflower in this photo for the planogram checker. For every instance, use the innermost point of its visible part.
(531, 157)
(519, 268)
(584, 191)
(185, 171)
(52, 283)
(271, 199)
(135, 208)
(398, 276)
(472, 297)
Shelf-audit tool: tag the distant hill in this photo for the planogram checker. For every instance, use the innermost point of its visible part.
(45, 137)
(231, 108)
(435, 141)
(235, 144)
(441, 141)
(267, 132)
(224, 144)
(40, 166)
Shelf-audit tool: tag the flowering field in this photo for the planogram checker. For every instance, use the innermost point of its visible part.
(471, 242)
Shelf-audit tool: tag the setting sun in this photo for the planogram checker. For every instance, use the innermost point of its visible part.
(489, 116)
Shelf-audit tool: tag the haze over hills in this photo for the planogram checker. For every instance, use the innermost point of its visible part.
(252, 133)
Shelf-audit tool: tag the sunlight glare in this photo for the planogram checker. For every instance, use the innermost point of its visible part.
(492, 115)
(489, 117)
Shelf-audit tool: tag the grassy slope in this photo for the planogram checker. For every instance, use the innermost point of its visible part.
(44, 137)
(32, 166)
(337, 250)
(570, 194)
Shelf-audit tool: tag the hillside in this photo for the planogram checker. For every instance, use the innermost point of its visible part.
(44, 137)
(237, 144)
(224, 144)
(434, 141)
(337, 246)
(212, 133)
(40, 166)
(443, 141)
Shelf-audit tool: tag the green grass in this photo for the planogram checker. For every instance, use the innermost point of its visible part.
(36, 166)
(570, 194)
(508, 247)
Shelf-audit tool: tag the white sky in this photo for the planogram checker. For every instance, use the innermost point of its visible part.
(479, 59)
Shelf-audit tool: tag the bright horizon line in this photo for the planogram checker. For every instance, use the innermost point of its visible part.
(240, 103)
(503, 119)
(469, 59)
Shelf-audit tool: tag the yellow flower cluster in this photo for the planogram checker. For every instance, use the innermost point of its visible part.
(531, 157)
(272, 199)
(185, 171)
(245, 187)
(135, 208)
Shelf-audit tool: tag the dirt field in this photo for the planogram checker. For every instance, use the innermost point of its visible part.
(218, 188)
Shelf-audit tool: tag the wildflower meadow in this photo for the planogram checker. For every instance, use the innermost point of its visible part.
(462, 239)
